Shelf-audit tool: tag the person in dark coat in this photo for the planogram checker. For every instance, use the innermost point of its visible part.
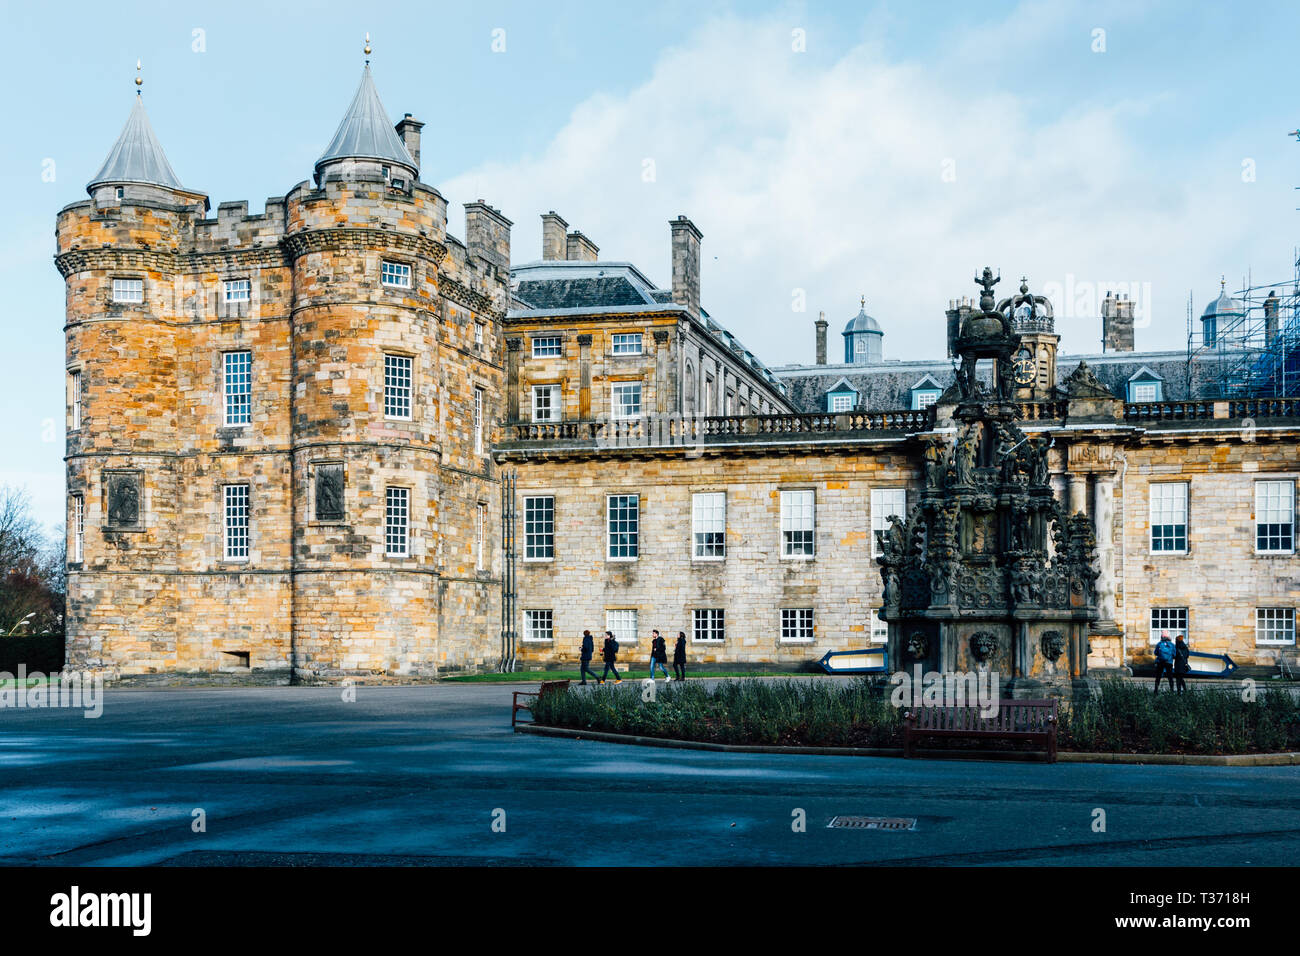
(679, 656)
(658, 655)
(588, 652)
(1165, 660)
(609, 652)
(1182, 662)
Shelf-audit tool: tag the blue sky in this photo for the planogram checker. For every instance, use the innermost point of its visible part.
(904, 146)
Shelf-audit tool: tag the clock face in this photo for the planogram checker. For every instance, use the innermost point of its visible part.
(1024, 367)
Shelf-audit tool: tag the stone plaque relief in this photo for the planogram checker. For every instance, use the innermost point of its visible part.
(123, 493)
(329, 492)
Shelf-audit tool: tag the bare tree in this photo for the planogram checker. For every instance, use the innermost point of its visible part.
(31, 570)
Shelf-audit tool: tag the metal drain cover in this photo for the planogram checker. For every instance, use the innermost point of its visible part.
(872, 823)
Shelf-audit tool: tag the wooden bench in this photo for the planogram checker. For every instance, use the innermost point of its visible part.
(548, 687)
(1015, 720)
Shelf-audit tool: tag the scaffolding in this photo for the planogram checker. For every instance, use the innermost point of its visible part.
(1251, 350)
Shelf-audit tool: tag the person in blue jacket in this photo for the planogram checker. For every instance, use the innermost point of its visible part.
(1165, 652)
(588, 652)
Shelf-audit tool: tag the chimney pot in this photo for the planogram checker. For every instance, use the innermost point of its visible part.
(408, 129)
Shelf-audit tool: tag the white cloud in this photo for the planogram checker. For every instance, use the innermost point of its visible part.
(827, 176)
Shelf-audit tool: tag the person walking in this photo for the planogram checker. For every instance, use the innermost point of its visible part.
(1182, 662)
(588, 652)
(609, 652)
(1165, 660)
(679, 656)
(658, 655)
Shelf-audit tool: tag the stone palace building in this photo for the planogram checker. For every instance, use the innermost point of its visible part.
(332, 439)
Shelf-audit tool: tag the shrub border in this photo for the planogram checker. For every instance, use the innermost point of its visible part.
(1282, 759)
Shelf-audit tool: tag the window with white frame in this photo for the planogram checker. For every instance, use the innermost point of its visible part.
(624, 523)
(627, 343)
(879, 627)
(885, 502)
(395, 274)
(539, 528)
(1145, 392)
(841, 403)
(546, 403)
(626, 400)
(709, 625)
(237, 387)
(1172, 620)
(1275, 516)
(797, 515)
(397, 386)
(78, 528)
(478, 420)
(622, 622)
(480, 537)
(709, 525)
(236, 530)
(397, 516)
(74, 387)
(478, 333)
(924, 398)
(796, 625)
(128, 290)
(547, 346)
(237, 290)
(1274, 625)
(1169, 516)
(539, 625)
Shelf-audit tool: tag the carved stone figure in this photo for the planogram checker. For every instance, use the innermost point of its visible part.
(933, 465)
(983, 644)
(123, 501)
(918, 646)
(964, 457)
(329, 493)
(1053, 645)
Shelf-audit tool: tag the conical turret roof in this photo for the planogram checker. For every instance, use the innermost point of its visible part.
(137, 156)
(365, 132)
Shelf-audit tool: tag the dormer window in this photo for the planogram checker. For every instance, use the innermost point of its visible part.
(1146, 386)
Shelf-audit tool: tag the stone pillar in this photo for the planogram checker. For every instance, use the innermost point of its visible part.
(512, 379)
(1103, 516)
(663, 390)
(1078, 494)
(584, 377)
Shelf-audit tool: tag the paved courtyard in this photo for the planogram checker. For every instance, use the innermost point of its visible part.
(413, 775)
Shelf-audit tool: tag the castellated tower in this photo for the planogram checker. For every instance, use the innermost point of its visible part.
(279, 424)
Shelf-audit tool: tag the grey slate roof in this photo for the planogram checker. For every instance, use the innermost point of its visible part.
(365, 131)
(1223, 305)
(579, 293)
(862, 323)
(889, 385)
(137, 156)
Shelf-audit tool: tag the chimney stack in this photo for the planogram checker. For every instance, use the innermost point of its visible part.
(554, 242)
(408, 128)
(821, 338)
(1116, 323)
(686, 264)
(1270, 317)
(579, 248)
(487, 234)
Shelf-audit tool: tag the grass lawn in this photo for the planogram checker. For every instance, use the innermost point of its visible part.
(532, 677)
(26, 682)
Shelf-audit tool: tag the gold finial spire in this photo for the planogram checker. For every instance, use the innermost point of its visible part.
(1223, 281)
(862, 302)
(367, 50)
(139, 80)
